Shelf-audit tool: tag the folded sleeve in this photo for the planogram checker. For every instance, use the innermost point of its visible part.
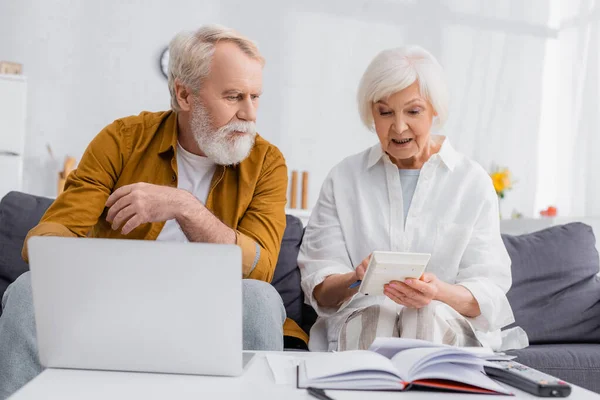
(323, 251)
(261, 229)
(485, 268)
(77, 209)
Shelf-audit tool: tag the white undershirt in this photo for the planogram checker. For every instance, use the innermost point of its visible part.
(194, 175)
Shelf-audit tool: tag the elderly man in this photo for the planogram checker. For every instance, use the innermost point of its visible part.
(197, 173)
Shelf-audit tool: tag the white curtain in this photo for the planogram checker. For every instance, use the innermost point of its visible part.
(495, 72)
(578, 116)
(492, 52)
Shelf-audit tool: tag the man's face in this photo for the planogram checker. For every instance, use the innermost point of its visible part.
(231, 90)
(223, 113)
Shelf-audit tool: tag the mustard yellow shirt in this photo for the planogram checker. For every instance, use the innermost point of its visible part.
(249, 197)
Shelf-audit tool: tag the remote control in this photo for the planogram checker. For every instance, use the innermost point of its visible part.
(528, 379)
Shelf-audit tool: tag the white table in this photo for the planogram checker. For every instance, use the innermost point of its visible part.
(257, 382)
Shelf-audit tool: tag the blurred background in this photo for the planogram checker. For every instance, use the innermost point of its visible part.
(523, 77)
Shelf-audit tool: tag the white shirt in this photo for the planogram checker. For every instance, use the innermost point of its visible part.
(453, 215)
(194, 174)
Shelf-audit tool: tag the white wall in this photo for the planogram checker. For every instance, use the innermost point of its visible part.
(89, 63)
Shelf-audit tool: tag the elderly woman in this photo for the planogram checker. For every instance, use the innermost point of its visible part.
(412, 192)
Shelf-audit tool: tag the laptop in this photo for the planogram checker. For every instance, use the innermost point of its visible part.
(138, 305)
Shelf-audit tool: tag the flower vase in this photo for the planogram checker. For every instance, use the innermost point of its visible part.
(500, 207)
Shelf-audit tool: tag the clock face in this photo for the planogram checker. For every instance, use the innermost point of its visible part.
(164, 62)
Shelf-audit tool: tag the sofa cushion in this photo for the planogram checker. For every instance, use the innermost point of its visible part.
(575, 363)
(286, 278)
(19, 212)
(555, 294)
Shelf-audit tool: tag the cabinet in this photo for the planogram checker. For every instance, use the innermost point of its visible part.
(13, 101)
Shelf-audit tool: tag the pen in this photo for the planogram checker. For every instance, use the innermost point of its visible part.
(318, 393)
(355, 284)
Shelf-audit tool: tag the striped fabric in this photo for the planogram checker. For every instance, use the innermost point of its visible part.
(438, 323)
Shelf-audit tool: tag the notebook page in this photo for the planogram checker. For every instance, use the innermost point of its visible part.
(409, 362)
(346, 362)
(390, 346)
(354, 381)
(456, 358)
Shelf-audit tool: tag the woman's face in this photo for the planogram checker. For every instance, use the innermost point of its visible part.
(403, 122)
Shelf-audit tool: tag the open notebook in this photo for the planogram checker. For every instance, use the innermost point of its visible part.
(399, 364)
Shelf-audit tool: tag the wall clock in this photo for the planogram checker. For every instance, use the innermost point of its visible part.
(164, 62)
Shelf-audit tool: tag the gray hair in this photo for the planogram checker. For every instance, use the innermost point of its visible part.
(190, 55)
(393, 70)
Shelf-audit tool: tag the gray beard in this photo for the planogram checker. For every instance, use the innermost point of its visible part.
(220, 146)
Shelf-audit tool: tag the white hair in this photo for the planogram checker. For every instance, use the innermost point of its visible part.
(393, 70)
(219, 145)
(190, 55)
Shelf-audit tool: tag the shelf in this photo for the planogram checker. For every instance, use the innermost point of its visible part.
(302, 215)
(298, 212)
(13, 77)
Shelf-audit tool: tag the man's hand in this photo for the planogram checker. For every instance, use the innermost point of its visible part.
(141, 203)
(413, 293)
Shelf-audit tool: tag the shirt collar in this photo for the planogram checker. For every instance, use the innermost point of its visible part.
(447, 154)
(375, 154)
(170, 131)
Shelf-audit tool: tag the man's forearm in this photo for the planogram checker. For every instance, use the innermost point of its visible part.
(200, 225)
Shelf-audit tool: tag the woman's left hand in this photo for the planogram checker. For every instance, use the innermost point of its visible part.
(413, 293)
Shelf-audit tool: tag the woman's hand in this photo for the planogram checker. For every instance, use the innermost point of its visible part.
(362, 269)
(413, 293)
(335, 289)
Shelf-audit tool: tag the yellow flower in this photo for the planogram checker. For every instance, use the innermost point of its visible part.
(501, 180)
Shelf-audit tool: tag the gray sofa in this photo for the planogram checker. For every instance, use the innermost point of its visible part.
(555, 294)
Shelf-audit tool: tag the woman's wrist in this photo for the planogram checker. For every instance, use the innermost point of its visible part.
(442, 291)
(335, 290)
(458, 297)
(350, 279)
